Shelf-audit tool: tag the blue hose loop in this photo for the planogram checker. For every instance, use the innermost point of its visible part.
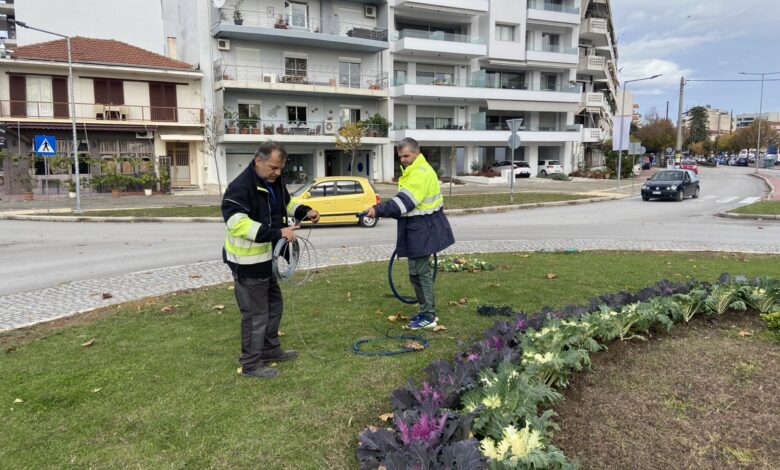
(405, 299)
(356, 345)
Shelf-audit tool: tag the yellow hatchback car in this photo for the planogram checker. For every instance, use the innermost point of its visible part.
(339, 199)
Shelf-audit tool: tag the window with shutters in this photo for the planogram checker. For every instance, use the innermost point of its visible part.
(162, 101)
(109, 92)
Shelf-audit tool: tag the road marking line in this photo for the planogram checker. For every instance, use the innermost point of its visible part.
(708, 197)
(725, 200)
(749, 200)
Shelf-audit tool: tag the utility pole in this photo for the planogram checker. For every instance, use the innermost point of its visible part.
(760, 109)
(678, 145)
(667, 110)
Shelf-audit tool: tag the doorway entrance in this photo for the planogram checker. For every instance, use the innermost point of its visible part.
(180, 160)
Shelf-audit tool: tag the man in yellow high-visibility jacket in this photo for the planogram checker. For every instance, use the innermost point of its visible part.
(256, 207)
(423, 229)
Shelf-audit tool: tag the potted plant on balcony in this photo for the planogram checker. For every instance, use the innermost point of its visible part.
(378, 125)
(243, 123)
(116, 182)
(281, 23)
(238, 18)
(255, 123)
(230, 121)
(268, 130)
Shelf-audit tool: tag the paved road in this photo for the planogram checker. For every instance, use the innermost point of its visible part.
(43, 254)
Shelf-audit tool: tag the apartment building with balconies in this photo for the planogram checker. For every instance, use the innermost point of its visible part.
(7, 28)
(131, 106)
(291, 71)
(461, 69)
(596, 79)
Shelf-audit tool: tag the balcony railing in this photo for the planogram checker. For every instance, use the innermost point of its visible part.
(549, 6)
(108, 113)
(480, 83)
(332, 26)
(552, 48)
(447, 124)
(333, 78)
(294, 128)
(438, 36)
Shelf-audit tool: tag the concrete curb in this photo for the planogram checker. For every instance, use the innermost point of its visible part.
(729, 215)
(475, 210)
(767, 182)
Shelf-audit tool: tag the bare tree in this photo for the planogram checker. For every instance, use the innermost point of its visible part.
(349, 139)
(211, 133)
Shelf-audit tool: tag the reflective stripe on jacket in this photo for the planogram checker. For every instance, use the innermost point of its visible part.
(253, 222)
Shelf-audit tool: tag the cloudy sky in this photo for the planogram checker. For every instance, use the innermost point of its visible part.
(699, 39)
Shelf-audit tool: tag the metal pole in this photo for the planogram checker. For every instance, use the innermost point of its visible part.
(679, 120)
(760, 109)
(620, 140)
(73, 122)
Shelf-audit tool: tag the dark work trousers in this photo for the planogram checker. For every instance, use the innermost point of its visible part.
(260, 302)
(421, 277)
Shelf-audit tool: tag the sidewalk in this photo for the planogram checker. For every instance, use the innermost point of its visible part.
(772, 177)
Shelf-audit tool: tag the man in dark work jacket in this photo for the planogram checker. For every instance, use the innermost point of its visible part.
(256, 207)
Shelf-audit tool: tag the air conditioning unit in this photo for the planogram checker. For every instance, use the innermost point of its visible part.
(269, 78)
(369, 11)
(144, 135)
(223, 44)
(330, 128)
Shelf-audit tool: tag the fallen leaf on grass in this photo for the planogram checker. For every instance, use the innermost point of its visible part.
(231, 287)
(238, 371)
(397, 316)
(18, 400)
(88, 343)
(218, 307)
(10, 350)
(349, 295)
(439, 328)
(107, 295)
(167, 309)
(414, 345)
(281, 333)
(745, 333)
(676, 274)
(195, 275)
(378, 311)
(463, 300)
(97, 389)
(551, 275)
(494, 285)
(452, 303)
(386, 416)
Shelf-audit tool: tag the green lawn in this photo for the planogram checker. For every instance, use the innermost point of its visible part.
(759, 208)
(468, 201)
(159, 389)
(185, 211)
(454, 202)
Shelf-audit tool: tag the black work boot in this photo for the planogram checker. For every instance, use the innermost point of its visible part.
(280, 357)
(260, 371)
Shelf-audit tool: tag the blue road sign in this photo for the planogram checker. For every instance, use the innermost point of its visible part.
(45, 145)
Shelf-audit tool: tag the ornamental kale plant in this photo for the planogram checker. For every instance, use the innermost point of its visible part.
(490, 406)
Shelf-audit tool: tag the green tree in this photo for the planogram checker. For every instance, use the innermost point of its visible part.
(657, 135)
(348, 140)
(699, 124)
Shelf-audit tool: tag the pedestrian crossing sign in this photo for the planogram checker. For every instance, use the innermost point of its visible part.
(45, 145)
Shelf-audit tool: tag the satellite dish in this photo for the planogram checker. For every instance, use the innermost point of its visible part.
(218, 3)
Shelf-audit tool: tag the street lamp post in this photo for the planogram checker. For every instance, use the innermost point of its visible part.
(760, 109)
(72, 106)
(623, 122)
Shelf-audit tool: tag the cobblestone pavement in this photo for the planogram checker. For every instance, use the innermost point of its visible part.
(28, 308)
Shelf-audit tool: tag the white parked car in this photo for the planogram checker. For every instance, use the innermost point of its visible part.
(548, 167)
(522, 169)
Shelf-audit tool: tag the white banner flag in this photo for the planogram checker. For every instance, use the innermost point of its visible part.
(622, 125)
